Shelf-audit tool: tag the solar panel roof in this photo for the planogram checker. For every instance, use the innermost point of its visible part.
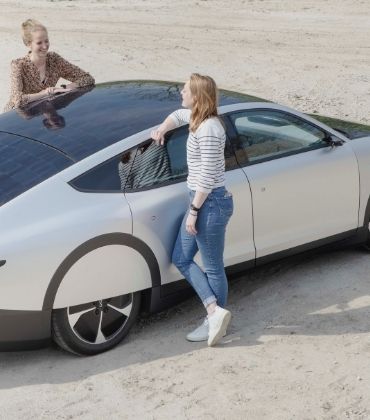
(86, 120)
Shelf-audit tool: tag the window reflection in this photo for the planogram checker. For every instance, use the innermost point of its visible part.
(48, 108)
(142, 167)
(268, 134)
(147, 165)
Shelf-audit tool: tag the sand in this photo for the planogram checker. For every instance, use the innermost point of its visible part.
(299, 346)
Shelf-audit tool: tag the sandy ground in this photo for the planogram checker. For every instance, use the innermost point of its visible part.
(299, 346)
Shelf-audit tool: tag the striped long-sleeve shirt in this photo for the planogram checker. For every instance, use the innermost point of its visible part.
(205, 152)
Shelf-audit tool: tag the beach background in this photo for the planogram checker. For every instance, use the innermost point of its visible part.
(299, 346)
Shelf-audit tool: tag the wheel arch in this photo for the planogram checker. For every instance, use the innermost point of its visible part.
(115, 238)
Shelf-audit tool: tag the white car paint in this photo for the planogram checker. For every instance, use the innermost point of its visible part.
(41, 227)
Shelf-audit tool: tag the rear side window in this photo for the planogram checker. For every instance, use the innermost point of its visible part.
(25, 163)
(142, 167)
(155, 166)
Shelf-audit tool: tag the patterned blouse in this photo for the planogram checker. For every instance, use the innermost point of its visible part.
(25, 77)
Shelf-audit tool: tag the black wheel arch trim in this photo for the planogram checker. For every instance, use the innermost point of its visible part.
(116, 238)
(367, 213)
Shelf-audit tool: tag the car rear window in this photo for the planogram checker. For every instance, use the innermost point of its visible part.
(25, 163)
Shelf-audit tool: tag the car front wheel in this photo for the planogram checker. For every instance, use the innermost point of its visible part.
(95, 327)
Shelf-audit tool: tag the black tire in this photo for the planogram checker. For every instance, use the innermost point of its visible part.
(95, 327)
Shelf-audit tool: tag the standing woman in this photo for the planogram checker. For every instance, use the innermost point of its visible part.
(34, 76)
(210, 206)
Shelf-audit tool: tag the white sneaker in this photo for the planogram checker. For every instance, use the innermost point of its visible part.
(218, 323)
(200, 333)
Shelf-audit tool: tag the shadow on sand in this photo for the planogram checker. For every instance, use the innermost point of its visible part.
(309, 295)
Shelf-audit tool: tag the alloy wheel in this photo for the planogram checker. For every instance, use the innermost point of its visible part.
(100, 321)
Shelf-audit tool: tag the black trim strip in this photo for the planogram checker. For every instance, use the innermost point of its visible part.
(24, 330)
(154, 300)
(116, 238)
(174, 287)
(367, 215)
(24, 345)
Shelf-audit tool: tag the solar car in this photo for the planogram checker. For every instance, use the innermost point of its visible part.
(90, 206)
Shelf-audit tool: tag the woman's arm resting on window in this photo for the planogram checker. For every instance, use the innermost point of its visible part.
(158, 134)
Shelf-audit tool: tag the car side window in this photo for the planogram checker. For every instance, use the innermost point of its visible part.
(267, 134)
(104, 177)
(156, 165)
(141, 167)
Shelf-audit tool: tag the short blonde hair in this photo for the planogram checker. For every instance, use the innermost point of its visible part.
(28, 28)
(205, 97)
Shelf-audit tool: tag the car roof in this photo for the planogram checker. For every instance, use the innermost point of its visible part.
(82, 122)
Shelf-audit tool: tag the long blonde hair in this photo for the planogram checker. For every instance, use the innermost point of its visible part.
(205, 98)
(28, 28)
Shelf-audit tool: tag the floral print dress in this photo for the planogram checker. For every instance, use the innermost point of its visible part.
(25, 77)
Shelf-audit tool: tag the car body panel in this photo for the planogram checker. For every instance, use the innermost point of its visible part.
(361, 148)
(158, 223)
(304, 197)
(53, 220)
(64, 246)
(107, 271)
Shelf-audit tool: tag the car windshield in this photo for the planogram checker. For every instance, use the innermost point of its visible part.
(25, 163)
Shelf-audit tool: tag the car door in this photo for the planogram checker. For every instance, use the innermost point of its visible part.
(158, 197)
(303, 190)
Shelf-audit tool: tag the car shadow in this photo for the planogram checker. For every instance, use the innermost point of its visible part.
(309, 295)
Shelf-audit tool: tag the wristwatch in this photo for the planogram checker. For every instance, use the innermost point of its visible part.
(192, 207)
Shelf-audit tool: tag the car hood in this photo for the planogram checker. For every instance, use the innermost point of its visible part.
(350, 129)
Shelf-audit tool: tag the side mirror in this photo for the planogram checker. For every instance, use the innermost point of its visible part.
(333, 141)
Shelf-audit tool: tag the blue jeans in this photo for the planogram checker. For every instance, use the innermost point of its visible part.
(210, 285)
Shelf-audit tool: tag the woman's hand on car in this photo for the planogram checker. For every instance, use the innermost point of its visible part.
(53, 90)
(158, 136)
